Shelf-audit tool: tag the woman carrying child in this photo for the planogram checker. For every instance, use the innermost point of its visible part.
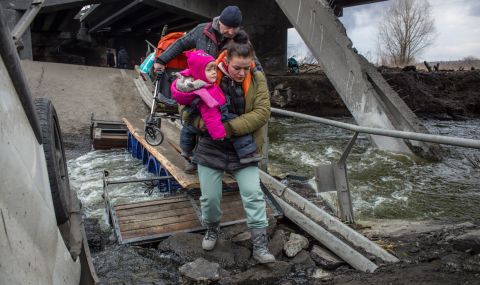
(246, 109)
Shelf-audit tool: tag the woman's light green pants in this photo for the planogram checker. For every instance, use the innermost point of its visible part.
(252, 196)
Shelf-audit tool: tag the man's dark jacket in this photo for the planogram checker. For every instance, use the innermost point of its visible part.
(203, 37)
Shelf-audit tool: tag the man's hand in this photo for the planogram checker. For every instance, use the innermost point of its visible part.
(157, 67)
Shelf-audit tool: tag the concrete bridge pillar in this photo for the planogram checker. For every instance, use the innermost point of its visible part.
(270, 44)
(264, 21)
(267, 26)
(371, 101)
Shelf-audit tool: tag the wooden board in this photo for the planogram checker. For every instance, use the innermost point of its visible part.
(151, 220)
(168, 155)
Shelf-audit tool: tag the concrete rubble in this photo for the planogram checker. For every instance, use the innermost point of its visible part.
(201, 270)
(295, 244)
(324, 258)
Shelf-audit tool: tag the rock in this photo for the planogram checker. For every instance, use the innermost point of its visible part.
(231, 231)
(324, 258)
(452, 261)
(277, 99)
(449, 238)
(120, 264)
(188, 246)
(295, 244)
(469, 240)
(279, 86)
(270, 273)
(201, 270)
(321, 274)
(302, 261)
(465, 225)
(472, 264)
(242, 237)
(97, 237)
(272, 224)
(277, 242)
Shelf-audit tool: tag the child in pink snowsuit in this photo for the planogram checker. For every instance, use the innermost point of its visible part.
(196, 86)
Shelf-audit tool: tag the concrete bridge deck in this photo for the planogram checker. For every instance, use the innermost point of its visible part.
(77, 91)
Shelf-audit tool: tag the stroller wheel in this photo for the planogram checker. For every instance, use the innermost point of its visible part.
(153, 136)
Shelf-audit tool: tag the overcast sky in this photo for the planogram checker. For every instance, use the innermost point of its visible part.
(457, 24)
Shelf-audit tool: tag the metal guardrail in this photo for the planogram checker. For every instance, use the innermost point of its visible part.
(470, 143)
(333, 177)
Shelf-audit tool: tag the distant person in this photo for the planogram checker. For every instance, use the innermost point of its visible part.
(110, 58)
(293, 65)
(122, 58)
(199, 81)
(209, 37)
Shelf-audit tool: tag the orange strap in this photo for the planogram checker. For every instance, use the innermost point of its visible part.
(248, 78)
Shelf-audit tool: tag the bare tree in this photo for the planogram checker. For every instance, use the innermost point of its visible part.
(405, 30)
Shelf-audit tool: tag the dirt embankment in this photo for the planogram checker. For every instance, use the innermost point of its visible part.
(437, 94)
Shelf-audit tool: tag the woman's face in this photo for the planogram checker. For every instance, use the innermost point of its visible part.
(238, 67)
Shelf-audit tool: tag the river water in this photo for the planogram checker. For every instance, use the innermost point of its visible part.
(386, 185)
(383, 185)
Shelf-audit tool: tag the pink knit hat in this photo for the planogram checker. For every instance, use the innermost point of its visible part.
(197, 61)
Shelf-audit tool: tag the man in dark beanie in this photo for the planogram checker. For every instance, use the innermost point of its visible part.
(230, 19)
(210, 37)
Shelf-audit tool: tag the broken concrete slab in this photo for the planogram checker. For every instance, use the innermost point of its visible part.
(189, 247)
(325, 258)
(295, 244)
(201, 270)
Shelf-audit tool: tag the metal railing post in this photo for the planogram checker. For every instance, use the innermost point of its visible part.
(334, 177)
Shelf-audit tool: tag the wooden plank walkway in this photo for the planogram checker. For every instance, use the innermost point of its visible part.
(151, 220)
(148, 221)
(168, 153)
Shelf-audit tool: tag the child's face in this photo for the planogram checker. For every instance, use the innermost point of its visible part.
(211, 72)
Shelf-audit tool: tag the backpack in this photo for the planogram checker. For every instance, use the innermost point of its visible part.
(180, 61)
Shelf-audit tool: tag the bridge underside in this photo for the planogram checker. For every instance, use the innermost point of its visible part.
(68, 31)
(64, 33)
